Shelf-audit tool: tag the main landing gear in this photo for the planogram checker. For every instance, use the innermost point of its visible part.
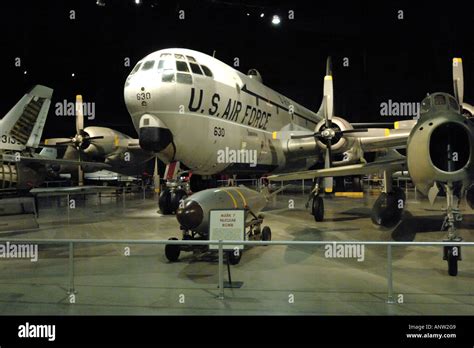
(387, 211)
(316, 201)
(254, 231)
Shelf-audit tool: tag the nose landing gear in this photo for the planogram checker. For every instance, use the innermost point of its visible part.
(170, 199)
(452, 254)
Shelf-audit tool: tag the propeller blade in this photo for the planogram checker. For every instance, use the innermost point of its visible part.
(79, 114)
(80, 172)
(68, 142)
(304, 136)
(329, 99)
(360, 130)
(328, 181)
(96, 137)
(458, 80)
(328, 158)
(329, 66)
(325, 112)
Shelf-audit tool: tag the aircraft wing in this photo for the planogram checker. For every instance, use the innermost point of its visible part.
(60, 191)
(46, 161)
(381, 139)
(393, 165)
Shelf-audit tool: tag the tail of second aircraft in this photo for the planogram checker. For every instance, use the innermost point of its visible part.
(23, 125)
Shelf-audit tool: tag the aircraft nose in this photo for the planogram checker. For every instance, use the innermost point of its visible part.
(191, 215)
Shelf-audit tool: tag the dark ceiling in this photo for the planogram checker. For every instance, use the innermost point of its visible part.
(389, 58)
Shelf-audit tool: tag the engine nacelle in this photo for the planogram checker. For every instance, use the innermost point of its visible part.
(101, 148)
(430, 145)
(340, 144)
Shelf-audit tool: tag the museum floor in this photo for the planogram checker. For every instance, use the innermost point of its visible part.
(276, 280)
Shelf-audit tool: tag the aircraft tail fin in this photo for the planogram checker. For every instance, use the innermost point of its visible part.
(23, 125)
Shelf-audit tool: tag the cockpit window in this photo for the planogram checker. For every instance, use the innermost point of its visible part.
(179, 56)
(191, 59)
(166, 55)
(168, 76)
(166, 64)
(135, 69)
(439, 100)
(425, 105)
(148, 65)
(453, 104)
(182, 66)
(184, 78)
(206, 70)
(195, 68)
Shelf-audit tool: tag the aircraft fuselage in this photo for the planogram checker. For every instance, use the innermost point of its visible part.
(188, 106)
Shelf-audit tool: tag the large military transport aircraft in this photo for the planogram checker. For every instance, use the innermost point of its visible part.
(190, 107)
(439, 159)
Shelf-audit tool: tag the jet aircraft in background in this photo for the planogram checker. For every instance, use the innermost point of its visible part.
(439, 159)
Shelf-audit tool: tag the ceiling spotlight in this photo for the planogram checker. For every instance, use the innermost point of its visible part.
(248, 14)
(276, 20)
(25, 72)
(73, 75)
(100, 3)
(262, 15)
(138, 2)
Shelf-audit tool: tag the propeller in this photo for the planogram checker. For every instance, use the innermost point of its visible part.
(81, 140)
(458, 80)
(328, 131)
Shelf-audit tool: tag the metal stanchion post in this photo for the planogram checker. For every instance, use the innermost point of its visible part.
(390, 298)
(71, 269)
(123, 197)
(221, 271)
(68, 207)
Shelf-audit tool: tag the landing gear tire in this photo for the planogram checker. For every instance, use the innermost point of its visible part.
(356, 184)
(388, 208)
(452, 263)
(340, 184)
(266, 233)
(164, 202)
(233, 259)
(172, 251)
(175, 199)
(318, 209)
